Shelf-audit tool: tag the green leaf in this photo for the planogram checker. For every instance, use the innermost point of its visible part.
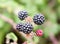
(1, 23)
(12, 36)
(36, 39)
(51, 29)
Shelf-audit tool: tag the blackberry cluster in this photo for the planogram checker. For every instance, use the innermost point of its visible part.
(18, 27)
(22, 15)
(27, 28)
(38, 19)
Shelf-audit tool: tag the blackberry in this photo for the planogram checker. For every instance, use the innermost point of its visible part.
(38, 19)
(18, 27)
(22, 14)
(39, 32)
(27, 28)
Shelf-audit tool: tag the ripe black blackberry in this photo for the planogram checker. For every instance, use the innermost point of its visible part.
(27, 28)
(18, 26)
(22, 14)
(38, 19)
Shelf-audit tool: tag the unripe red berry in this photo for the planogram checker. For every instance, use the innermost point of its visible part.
(39, 32)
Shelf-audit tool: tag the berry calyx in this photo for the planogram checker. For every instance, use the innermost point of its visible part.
(22, 14)
(39, 32)
(38, 19)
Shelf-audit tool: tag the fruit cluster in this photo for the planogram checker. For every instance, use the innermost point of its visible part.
(27, 27)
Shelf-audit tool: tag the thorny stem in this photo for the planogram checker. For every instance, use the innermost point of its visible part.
(53, 39)
(10, 21)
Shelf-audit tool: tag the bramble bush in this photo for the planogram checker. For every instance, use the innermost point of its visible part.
(49, 8)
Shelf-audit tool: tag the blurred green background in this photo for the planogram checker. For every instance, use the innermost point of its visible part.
(49, 8)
